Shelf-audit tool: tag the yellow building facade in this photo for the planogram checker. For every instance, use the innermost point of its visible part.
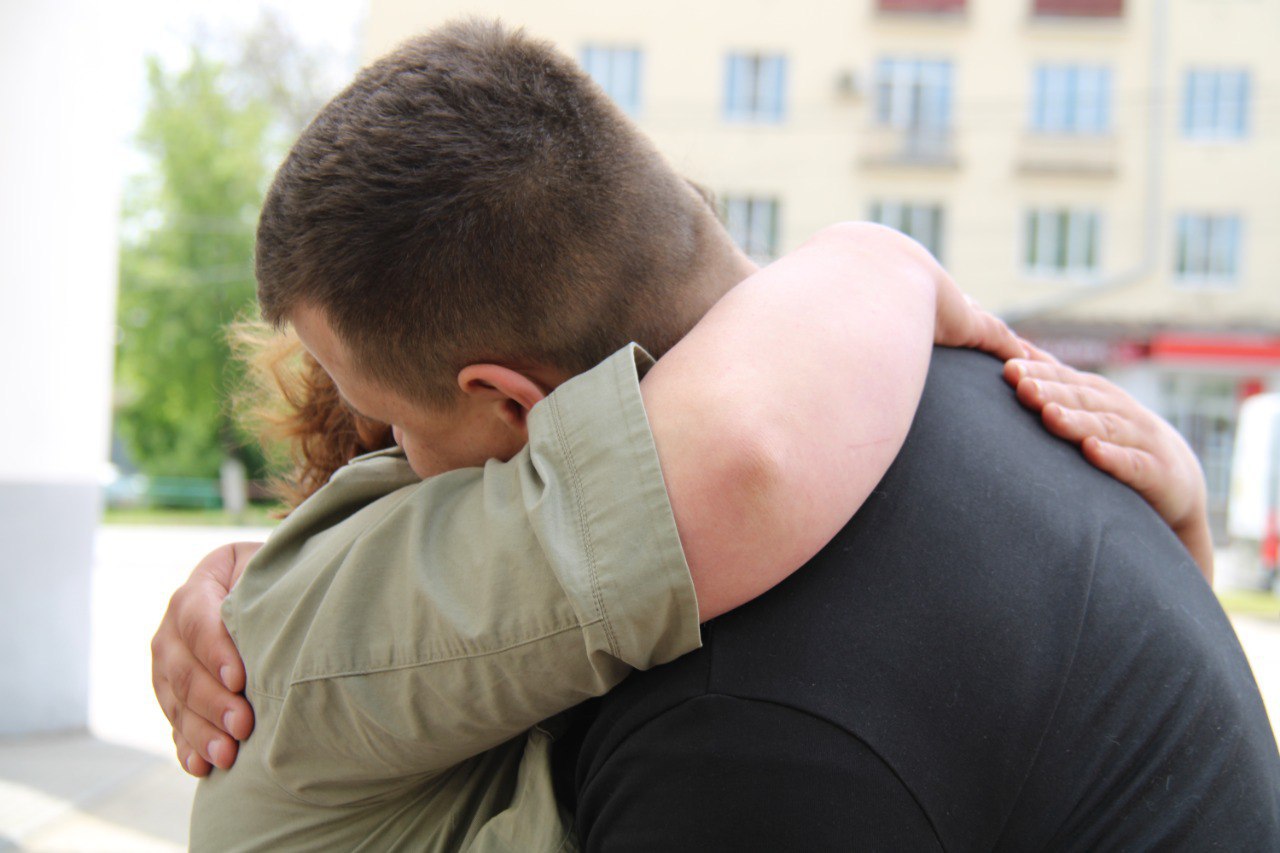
(1105, 173)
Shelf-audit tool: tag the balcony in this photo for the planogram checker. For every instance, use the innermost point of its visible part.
(1078, 8)
(1077, 156)
(894, 147)
(928, 7)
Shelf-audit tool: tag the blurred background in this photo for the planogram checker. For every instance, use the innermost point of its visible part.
(1102, 173)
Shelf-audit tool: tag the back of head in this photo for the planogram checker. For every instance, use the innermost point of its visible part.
(473, 196)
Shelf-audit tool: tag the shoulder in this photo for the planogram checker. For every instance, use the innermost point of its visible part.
(301, 594)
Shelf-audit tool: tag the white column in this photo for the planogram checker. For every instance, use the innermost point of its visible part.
(62, 93)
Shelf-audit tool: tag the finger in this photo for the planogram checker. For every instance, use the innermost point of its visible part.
(190, 760)
(1034, 353)
(1076, 426)
(161, 660)
(1136, 468)
(179, 698)
(168, 701)
(198, 622)
(182, 684)
(992, 335)
(198, 606)
(206, 696)
(1038, 393)
(208, 742)
(1055, 371)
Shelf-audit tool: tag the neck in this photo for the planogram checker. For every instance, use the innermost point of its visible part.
(724, 266)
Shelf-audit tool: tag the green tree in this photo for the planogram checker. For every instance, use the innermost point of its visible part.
(186, 267)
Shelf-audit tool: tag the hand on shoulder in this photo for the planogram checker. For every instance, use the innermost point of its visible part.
(1120, 436)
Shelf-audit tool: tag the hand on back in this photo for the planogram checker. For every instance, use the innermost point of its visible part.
(195, 669)
(1120, 436)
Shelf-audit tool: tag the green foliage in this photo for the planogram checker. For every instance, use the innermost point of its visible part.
(186, 268)
(211, 137)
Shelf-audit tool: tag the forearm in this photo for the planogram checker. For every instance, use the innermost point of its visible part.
(776, 416)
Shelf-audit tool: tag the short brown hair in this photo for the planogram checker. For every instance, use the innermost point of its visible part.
(474, 196)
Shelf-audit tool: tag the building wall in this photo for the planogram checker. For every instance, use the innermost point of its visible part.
(826, 160)
(58, 218)
(829, 159)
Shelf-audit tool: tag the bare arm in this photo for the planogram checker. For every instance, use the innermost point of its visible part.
(781, 410)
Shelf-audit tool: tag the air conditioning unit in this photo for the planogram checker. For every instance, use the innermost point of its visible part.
(848, 85)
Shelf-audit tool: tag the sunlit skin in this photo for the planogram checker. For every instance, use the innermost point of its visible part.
(487, 420)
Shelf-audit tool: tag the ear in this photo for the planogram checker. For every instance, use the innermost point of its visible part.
(513, 393)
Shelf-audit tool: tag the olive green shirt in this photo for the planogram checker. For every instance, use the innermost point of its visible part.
(404, 638)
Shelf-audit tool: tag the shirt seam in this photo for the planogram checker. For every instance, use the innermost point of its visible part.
(798, 710)
(1062, 689)
(379, 670)
(584, 528)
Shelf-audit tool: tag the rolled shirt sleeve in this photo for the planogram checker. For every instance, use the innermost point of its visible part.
(392, 628)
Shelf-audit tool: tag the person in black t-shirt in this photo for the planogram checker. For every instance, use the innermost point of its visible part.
(1004, 650)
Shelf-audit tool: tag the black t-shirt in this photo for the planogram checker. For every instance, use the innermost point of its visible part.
(1004, 650)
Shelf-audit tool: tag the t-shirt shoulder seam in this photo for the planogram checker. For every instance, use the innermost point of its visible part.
(709, 693)
(1062, 689)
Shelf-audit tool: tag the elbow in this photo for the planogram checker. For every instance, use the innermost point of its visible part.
(747, 478)
(755, 469)
(732, 533)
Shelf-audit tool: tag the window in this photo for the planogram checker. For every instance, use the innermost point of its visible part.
(1208, 249)
(1062, 242)
(752, 221)
(1071, 99)
(913, 94)
(1215, 104)
(921, 222)
(755, 87)
(1081, 8)
(617, 70)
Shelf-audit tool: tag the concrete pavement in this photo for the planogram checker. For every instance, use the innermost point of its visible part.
(118, 787)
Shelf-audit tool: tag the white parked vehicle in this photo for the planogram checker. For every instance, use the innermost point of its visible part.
(1252, 512)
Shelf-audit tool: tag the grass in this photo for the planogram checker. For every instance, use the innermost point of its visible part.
(255, 515)
(1244, 602)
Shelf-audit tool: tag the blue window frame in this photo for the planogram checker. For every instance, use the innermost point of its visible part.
(1207, 250)
(1071, 99)
(755, 87)
(752, 221)
(924, 223)
(1215, 104)
(914, 94)
(618, 70)
(1062, 243)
